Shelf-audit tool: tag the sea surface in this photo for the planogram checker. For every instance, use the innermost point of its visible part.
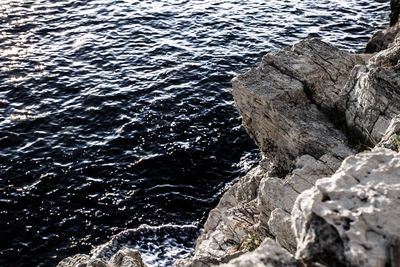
(117, 114)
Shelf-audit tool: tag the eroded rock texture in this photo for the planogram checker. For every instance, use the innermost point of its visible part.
(372, 94)
(123, 258)
(391, 139)
(351, 218)
(382, 39)
(230, 225)
(269, 254)
(279, 101)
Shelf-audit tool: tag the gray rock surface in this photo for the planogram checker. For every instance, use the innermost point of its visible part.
(269, 254)
(123, 258)
(382, 39)
(391, 138)
(294, 135)
(351, 218)
(287, 104)
(277, 101)
(280, 226)
(127, 258)
(229, 224)
(371, 97)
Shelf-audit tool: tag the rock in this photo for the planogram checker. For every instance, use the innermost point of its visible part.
(294, 105)
(351, 218)
(282, 193)
(395, 11)
(269, 254)
(123, 258)
(280, 226)
(127, 258)
(301, 105)
(279, 101)
(371, 97)
(276, 196)
(382, 39)
(257, 206)
(229, 224)
(388, 58)
(391, 138)
(78, 260)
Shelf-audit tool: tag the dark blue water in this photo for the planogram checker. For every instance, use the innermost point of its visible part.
(115, 114)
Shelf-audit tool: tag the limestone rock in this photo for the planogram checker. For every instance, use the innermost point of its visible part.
(123, 258)
(382, 39)
(276, 101)
(269, 254)
(78, 260)
(229, 224)
(371, 97)
(351, 219)
(391, 139)
(127, 258)
(277, 196)
(280, 226)
(257, 205)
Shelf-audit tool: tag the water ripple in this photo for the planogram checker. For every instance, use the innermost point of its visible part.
(115, 114)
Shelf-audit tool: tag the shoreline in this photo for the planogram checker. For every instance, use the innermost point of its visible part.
(300, 146)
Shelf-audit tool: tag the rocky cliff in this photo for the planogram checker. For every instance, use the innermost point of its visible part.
(327, 191)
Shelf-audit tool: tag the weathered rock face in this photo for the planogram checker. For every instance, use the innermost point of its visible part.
(123, 258)
(391, 139)
(382, 39)
(371, 96)
(230, 225)
(269, 254)
(276, 196)
(351, 218)
(277, 101)
(302, 105)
